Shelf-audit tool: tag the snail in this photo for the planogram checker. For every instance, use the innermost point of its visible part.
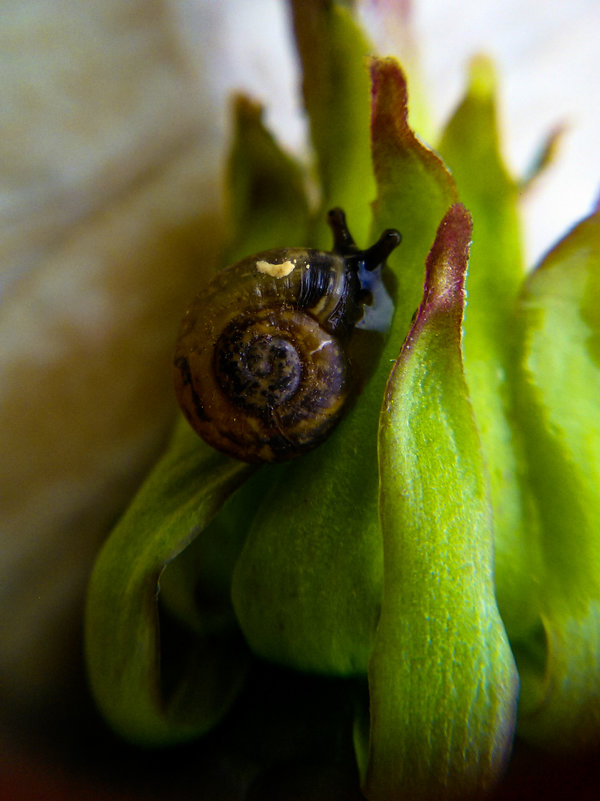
(261, 365)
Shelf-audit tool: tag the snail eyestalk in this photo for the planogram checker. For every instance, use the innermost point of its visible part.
(344, 244)
(343, 241)
(376, 255)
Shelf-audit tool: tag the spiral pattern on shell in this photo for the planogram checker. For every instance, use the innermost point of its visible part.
(270, 381)
(261, 370)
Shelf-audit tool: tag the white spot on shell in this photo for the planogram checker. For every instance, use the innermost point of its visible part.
(275, 270)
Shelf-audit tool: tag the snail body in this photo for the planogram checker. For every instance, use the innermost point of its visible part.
(261, 368)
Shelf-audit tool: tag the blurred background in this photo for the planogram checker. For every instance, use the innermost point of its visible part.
(114, 128)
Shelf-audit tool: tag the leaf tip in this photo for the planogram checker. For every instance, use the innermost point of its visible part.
(447, 261)
(482, 76)
(389, 91)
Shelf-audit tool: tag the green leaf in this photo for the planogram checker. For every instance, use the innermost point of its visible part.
(471, 150)
(333, 51)
(165, 655)
(267, 201)
(307, 587)
(169, 667)
(122, 627)
(560, 413)
(442, 679)
(414, 187)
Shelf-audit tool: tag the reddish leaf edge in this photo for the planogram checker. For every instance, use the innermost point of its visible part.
(445, 275)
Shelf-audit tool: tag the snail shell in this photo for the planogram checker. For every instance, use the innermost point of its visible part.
(261, 368)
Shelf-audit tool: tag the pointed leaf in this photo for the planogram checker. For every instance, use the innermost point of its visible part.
(333, 53)
(442, 680)
(266, 195)
(414, 186)
(471, 149)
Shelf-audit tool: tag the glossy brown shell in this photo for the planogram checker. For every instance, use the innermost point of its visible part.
(260, 365)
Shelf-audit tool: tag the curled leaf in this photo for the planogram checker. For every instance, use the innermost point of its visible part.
(123, 640)
(164, 652)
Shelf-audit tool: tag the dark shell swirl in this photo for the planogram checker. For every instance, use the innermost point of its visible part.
(260, 367)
